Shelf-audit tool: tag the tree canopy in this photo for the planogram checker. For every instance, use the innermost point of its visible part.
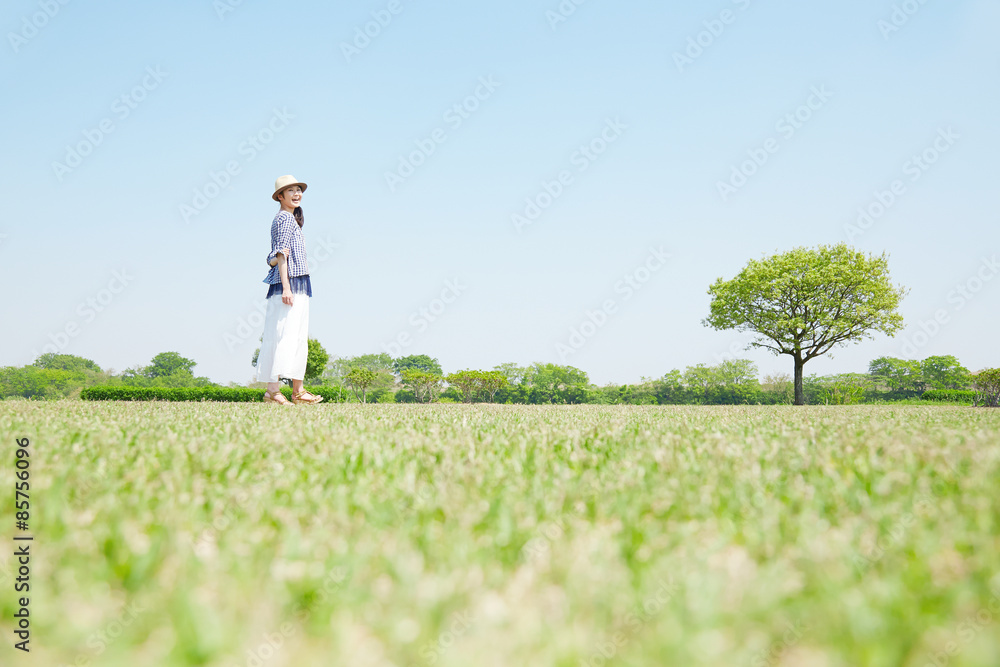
(511, 371)
(944, 372)
(897, 374)
(417, 362)
(424, 384)
(379, 364)
(65, 362)
(940, 372)
(554, 376)
(168, 363)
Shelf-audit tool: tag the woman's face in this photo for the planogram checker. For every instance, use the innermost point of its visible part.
(291, 196)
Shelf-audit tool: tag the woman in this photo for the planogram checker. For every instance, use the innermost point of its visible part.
(285, 345)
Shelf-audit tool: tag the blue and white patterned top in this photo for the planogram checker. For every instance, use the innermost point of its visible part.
(286, 233)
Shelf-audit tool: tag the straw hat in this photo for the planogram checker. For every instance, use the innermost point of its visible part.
(284, 182)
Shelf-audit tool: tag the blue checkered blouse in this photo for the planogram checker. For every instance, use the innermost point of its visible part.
(286, 233)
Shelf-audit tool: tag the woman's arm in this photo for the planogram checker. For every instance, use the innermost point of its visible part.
(282, 232)
(274, 260)
(286, 290)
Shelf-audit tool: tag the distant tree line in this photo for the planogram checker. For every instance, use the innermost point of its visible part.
(420, 379)
(379, 378)
(53, 376)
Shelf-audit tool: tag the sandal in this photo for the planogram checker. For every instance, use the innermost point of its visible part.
(301, 398)
(274, 398)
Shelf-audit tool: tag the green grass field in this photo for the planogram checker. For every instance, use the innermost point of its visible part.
(250, 534)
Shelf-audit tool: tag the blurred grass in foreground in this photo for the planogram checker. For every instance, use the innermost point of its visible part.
(251, 534)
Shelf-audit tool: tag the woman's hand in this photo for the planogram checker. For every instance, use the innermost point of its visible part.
(287, 297)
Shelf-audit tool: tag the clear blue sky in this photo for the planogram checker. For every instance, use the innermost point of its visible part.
(199, 82)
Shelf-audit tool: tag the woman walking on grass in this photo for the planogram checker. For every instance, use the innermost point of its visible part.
(285, 345)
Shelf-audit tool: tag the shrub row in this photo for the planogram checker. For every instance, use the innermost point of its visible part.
(221, 394)
(950, 395)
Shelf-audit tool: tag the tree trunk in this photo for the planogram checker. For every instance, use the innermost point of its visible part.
(800, 394)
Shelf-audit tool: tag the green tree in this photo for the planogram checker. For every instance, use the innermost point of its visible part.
(670, 389)
(728, 373)
(778, 388)
(897, 374)
(139, 377)
(52, 376)
(511, 371)
(168, 363)
(167, 369)
(134, 375)
(554, 377)
(700, 377)
(626, 394)
(44, 383)
(844, 389)
(424, 385)
(380, 364)
(492, 382)
(987, 385)
(944, 372)
(316, 359)
(65, 362)
(737, 372)
(468, 382)
(805, 302)
(419, 362)
(359, 379)
(374, 362)
(552, 383)
(733, 381)
(180, 378)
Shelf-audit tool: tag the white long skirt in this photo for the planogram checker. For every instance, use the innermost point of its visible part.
(285, 346)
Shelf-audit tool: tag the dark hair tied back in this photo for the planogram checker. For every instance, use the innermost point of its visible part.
(299, 218)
